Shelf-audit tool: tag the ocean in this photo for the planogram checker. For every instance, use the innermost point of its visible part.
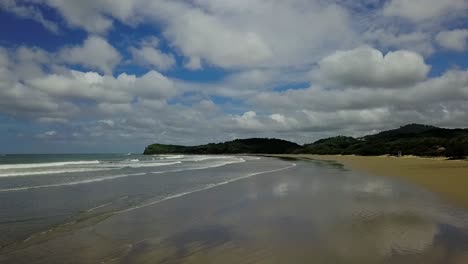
(125, 208)
(41, 191)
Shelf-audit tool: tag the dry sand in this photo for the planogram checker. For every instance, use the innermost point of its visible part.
(446, 177)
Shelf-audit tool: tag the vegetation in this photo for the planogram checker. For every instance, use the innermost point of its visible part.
(251, 145)
(413, 139)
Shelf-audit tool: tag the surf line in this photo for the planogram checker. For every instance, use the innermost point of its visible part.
(167, 198)
(112, 178)
(200, 189)
(100, 206)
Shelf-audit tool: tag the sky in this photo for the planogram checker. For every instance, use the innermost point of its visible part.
(116, 75)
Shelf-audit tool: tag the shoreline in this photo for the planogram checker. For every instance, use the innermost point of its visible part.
(277, 213)
(448, 178)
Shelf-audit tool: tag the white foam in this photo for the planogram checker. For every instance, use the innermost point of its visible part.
(170, 156)
(100, 206)
(208, 186)
(206, 167)
(204, 157)
(110, 178)
(44, 172)
(71, 183)
(140, 165)
(49, 164)
(110, 166)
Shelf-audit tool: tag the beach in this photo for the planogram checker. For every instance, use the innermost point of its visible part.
(449, 178)
(261, 210)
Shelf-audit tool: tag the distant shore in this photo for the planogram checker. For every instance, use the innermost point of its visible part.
(449, 178)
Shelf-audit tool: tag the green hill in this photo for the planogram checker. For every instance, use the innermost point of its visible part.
(251, 145)
(413, 139)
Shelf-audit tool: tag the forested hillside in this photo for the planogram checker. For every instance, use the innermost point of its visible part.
(413, 139)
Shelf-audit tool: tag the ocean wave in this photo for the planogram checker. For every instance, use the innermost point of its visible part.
(48, 164)
(29, 173)
(206, 187)
(141, 164)
(112, 177)
(72, 183)
(170, 156)
(203, 157)
(206, 167)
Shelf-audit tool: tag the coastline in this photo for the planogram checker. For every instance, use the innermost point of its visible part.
(258, 211)
(448, 178)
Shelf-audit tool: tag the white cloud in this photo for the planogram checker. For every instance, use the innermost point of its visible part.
(421, 10)
(248, 121)
(369, 67)
(450, 87)
(28, 12)
(47, 135)
(27, 91)
(453, 39)
(261, 48)
(154, 85)
(52, 120)
(245, 38)
(231, 35)
(200, 35)
(104, 88)
(418, 41)
(193, 63)
(93, 16)
(95, 53)
(149, 56)
(287, 122)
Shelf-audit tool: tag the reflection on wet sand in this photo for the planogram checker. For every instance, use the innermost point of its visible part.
(312, 213)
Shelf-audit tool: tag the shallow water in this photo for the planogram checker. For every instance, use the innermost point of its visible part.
(256, 211)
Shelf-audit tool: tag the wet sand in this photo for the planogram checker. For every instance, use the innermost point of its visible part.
(313, 212)
(449, 178)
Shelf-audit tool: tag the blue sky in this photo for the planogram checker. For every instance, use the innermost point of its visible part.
(114, 76)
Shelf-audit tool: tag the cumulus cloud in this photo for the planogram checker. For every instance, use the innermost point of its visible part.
(226, 35)
(154, 85)
(95, 53)
(453, 39)
(390, 38)
(47, 135)
(370, 68)
(298, 70)
(26, 89)
(93, 16)
(28, 12)
(147, 55)
(421, 10)
(248, 121)
(217, 43)
(93, 86)
(244, 37)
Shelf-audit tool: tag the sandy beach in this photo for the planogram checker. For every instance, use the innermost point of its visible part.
(280, 211)
(449, 178)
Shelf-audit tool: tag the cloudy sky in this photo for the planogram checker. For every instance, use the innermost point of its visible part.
(116, 75)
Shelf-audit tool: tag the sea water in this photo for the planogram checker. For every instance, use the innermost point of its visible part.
(40, 191)
(222, 208)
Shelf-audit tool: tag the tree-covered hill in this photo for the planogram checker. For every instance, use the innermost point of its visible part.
(413, 139)
(251, 145)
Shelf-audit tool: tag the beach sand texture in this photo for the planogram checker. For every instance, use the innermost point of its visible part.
(449, 178)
